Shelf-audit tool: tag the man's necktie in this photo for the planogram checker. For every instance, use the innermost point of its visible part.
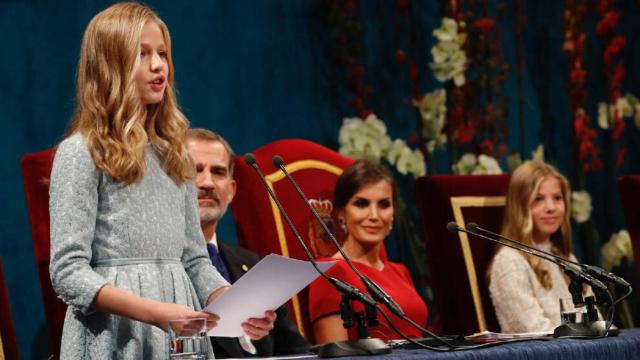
(214, 255)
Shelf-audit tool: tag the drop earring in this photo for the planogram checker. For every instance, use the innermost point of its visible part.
(342, 223)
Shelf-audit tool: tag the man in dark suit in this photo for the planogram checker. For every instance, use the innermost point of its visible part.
(213, 158)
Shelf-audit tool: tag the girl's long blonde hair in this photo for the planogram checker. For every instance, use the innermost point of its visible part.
(518, 222)
(109, 111)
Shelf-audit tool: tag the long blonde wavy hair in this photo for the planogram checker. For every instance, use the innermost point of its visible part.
(518, 222)
(109, 111)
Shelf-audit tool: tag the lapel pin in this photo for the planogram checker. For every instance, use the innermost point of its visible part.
(245, 268)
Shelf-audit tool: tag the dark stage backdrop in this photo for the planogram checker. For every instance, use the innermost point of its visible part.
(257, 71)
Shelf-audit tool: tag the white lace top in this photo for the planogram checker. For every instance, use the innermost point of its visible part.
(520, 301)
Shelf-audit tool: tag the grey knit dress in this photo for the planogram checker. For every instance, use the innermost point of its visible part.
(143, 238)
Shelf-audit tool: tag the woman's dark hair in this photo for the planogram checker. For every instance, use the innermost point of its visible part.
(360, 173)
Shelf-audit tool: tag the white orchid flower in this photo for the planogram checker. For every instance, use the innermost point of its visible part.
(449, 60)
(395, 150)
(418, 164)
(538, 153)
(487, 165)
(447, 31)
(603, 115)
(404, 161)
(369, 146)
(349, 130)
(618, 247)
(459, 79)
(369, 138)
(581, 206)
(411, 162)
(433, 111)
(465, 165)
(624, 107)
(372, 122)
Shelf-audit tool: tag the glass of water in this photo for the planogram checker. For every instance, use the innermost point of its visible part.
(188, 339)
(569, 313)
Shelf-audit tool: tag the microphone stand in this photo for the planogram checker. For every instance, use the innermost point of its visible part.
(595, 271)
(374, 289)
(590, 269)
(576, 278)
(364, 345)
(602, 294)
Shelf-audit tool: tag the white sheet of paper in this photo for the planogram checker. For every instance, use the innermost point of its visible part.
(268, 285)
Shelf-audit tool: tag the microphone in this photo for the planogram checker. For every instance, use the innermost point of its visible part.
(376, 292)
(453, 227)
(374, 289)
(367, 346)
(593, 270)
(473, 227)
(604, 274)
(566, 265)
(250, 160)
(595, 328)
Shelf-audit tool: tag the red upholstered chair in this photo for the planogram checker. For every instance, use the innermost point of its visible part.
(630, 196)
(36, 171)
(457, 263)
(9, 343)
(260, 225)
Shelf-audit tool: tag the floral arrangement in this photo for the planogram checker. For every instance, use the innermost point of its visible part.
(449, 59)
(459, 117)
(538, 153)
(617, 248)
(360, 138)
(581, 206)
(625, 107)
(464, 115)
(368, 138)
(433, 114)
(470, 63)
(470, 164)
(449, 65)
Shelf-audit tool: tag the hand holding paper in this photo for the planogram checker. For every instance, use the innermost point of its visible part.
(257, 328)
(268, 285)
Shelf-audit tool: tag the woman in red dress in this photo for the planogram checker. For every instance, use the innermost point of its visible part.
(365, 196)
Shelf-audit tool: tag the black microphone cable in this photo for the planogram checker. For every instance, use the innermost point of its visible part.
(353, 292)
(453, 227)
(376, 292)
(343, 287)
(593, 270)
(560, 261)
(358, 295)
(365, 299)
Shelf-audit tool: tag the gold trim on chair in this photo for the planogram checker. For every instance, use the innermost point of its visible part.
(457, 203)
(277, 216)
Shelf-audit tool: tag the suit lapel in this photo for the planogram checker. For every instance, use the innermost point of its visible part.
(235, 264)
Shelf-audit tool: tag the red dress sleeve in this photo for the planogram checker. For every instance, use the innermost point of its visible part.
(324, 299)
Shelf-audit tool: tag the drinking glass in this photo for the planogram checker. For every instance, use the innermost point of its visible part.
(569, 313)
(188, 339)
